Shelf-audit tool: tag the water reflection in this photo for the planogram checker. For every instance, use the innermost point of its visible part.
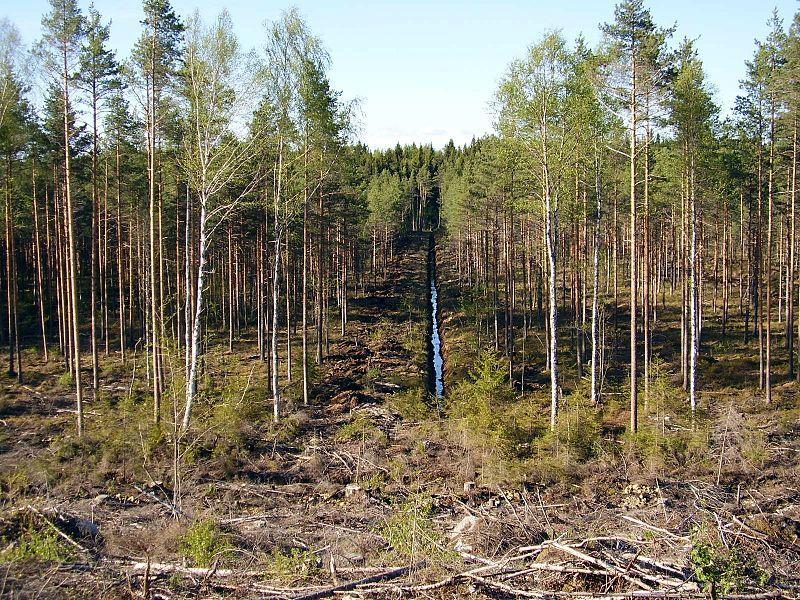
(436, 341)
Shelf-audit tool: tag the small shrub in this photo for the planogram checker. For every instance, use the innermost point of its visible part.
(289, 566)
(106, 399)
(291, 427)
(380, 333)
(13, 484)
(37, 544)
(411, 404)
(372, 374)
(679, 449)
(360, 427)
(415, 342)
(486, 406)
(155, 440)
(549, 468)
(642, 444)
(722, 571)
(72, 448)
(374, 482)
(203, 543)
(578, 427)
(65, 379)
(398, 467)
(412, 535)
(669, 436)
(124, 439)
(232, 419)
(755, 447)
(665, 399)
(481, 400)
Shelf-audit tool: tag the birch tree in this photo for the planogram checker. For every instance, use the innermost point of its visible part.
(220, 87)
(290, 50)
(534, 101)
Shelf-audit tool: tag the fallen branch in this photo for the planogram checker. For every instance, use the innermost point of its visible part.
(386, 384)
(644, 525)
(149, 569)
(602, 564)
(350, 585)
(426, 587)
(559, 568)
(58, 531)
(507, 588)
(161, 568)
(658, 566)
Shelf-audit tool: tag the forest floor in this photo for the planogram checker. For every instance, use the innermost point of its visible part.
(370, 491)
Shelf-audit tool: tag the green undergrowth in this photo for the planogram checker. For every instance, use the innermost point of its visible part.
(231, 421)
(414, 341)
(489, 414)
(669, 437)
(290, 565)
(508, 434)
(234, 409)
(722, 570)
(359, 428)
(65, 379)
(577, 434)
(34, 542)
(413, 404)
(14, 484)
(381, 333)
(412, 534)
(119, 438)
(204, 543)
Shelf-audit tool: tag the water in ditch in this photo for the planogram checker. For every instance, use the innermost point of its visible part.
(436, 341)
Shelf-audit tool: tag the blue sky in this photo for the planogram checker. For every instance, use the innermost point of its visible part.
(426, 71)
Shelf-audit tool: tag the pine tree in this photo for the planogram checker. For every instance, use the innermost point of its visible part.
(692, 111)
(98, 78)
(633, 47)
(63, 32)
(156, 55)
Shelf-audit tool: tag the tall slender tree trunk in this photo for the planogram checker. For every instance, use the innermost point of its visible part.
(155, 342)
(11, 283)
(693, 292)
(791, 259)
(595, 391)
(634, 416)
(321, 273)
(94, 243)
(120, 254)
(196, 320)
(38, 256)
(276, 391)
(304, 299)
(551, 241)
(768, 268)
(72, 250)
(646, 275)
